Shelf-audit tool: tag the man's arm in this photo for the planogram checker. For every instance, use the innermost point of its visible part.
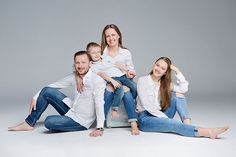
(98, 93)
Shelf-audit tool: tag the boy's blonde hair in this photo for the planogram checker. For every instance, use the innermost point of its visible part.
(92, 44)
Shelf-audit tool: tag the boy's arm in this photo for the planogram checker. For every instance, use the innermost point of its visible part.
(107, 78)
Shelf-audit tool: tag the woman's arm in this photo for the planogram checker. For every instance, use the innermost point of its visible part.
(114, 83)
(182, 83)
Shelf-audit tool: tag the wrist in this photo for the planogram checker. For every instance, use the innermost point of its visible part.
(101, 129)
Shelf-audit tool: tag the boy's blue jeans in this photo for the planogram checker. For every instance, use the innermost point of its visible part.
(150, 123)
(119, 92)
(60, 122)
(128, 104)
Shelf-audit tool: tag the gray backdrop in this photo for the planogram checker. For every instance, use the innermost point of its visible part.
(38, 40)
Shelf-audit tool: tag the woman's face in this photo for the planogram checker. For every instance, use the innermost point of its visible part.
(112, 37)
(160, 68)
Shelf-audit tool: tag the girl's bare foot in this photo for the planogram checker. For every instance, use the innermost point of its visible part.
(134, 128)
(21, 127)
(214, 132)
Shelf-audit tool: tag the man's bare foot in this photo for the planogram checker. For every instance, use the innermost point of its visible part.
(214, 132)
(114, 114)
(134, 128)
(21, 127)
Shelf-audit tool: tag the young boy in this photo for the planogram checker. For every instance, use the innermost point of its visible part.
(108, 71)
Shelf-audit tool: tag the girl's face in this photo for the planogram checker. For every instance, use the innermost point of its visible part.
(112, 37)
(159, 68)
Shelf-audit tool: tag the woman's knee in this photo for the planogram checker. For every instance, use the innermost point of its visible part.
(109, 88)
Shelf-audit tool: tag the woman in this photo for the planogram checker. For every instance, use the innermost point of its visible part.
(114, 52)
(159, 99)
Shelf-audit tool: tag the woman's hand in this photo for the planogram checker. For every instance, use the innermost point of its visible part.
(115, 83)
(130, 74)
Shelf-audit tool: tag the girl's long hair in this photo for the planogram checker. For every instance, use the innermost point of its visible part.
(104, 42)
(165, 85)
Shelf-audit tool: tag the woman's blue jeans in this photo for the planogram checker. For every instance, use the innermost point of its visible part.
(129, 104)
(150, 123)
(57, 122)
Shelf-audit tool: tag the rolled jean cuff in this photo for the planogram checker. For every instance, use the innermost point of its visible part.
(132, 120)
(29, 123)
(115, 108)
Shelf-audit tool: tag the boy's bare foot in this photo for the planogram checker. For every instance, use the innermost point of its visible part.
(21, 127)
(134, 128)
(114, 114)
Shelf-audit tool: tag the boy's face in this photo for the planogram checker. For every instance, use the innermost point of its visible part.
(95, 53)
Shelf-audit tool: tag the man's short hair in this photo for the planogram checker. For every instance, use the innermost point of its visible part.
(79, 53)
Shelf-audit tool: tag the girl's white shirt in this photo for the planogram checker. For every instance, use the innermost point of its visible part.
(148, 93)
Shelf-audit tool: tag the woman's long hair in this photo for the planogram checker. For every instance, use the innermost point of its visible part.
(165, 85)
(104, 42)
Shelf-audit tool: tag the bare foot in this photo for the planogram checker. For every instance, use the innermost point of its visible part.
(114, 114)
(214, 132)
(21, 127)
(134, 128)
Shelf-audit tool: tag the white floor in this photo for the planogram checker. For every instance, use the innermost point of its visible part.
(117, 142)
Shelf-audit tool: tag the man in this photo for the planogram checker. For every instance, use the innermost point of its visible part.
(76, 115)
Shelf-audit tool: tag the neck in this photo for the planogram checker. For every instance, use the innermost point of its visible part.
(155, 79)
(113, 49)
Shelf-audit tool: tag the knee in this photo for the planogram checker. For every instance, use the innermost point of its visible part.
(46, 90)
(126, 89)
(49, 122)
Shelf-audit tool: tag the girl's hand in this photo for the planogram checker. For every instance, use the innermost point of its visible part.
(174, 68)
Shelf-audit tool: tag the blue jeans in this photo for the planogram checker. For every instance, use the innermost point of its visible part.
(54, 97)
(128, 104)
(150, 123)
(119, 92)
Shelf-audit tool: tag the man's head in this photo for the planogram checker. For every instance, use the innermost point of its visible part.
(82, 63)
(94, 50)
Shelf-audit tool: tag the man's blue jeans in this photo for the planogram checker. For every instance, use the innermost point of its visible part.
(128, 104)
(60, 122)
(150, 123)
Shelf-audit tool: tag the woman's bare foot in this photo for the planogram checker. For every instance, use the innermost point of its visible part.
(214, 132)
(114, 114)
(21, 127)
(134, 128)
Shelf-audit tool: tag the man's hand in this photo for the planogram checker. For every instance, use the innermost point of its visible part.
(32, 106)
(96, 133)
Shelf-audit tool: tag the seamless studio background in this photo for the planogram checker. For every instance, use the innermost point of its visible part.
(38, 40)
